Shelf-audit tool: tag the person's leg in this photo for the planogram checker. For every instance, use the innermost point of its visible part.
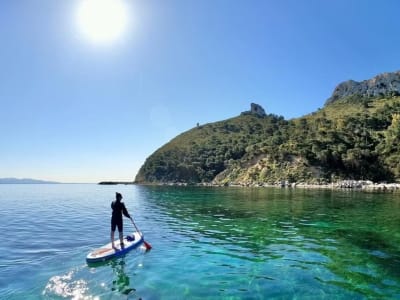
(112, 238)
(121, 239)
(113, 227)
(121, 234)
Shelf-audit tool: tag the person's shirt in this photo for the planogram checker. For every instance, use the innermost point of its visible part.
(118, 208)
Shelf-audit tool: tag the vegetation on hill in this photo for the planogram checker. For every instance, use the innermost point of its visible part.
(351, 138)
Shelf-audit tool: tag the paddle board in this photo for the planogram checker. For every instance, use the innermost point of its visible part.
(107, 251)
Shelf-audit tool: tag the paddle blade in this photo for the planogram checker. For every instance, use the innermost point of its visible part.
(147, 245)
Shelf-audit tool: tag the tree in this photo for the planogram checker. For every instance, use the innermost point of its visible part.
(392, 135)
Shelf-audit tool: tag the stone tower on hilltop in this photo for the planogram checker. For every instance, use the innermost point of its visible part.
(255, 109)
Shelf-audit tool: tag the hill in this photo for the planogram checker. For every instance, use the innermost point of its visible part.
(356, 135)
(24, 181)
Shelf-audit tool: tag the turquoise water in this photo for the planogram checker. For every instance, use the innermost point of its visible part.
(208, 243)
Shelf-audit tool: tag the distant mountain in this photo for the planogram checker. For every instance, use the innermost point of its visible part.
(24, 181)
(356, 135)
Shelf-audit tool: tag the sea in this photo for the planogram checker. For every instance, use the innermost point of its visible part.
(207, 243)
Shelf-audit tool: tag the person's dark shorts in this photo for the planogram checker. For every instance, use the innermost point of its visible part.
(115, 224)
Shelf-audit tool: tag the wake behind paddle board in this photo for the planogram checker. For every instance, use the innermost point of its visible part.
(107, 251)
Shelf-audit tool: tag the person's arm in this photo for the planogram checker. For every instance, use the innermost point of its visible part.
(125, 211)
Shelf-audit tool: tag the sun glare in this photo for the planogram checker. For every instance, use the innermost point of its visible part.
(102, 21)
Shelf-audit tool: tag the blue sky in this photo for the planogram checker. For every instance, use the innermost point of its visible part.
(76, 111)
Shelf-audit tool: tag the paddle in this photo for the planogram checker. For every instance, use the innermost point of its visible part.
(146, 244)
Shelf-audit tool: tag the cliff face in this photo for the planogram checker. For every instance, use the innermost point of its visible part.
(381, 85)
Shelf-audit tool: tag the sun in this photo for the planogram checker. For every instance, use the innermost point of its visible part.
(102, 21)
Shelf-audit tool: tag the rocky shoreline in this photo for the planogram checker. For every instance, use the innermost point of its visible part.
(354, 184)
(340, 185)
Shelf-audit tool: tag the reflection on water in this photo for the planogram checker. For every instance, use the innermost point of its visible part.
(121, 282)
(75, 284)
(70, 285)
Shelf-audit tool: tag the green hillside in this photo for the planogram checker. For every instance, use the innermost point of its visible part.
(351, 138)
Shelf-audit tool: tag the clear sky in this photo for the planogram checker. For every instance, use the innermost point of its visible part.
(74, 109)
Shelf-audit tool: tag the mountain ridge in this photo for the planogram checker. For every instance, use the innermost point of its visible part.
(381, 85)
(11, 180)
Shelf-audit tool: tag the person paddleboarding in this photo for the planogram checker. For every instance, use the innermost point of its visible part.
(127, 243)
(118, 209)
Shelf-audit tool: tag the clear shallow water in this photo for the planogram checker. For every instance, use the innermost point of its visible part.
(208, 243)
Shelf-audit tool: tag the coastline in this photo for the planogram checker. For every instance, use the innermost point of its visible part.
(359, 185)
(339, 185)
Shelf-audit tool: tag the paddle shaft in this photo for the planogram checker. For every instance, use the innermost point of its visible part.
(137, 229)
(147, 245)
